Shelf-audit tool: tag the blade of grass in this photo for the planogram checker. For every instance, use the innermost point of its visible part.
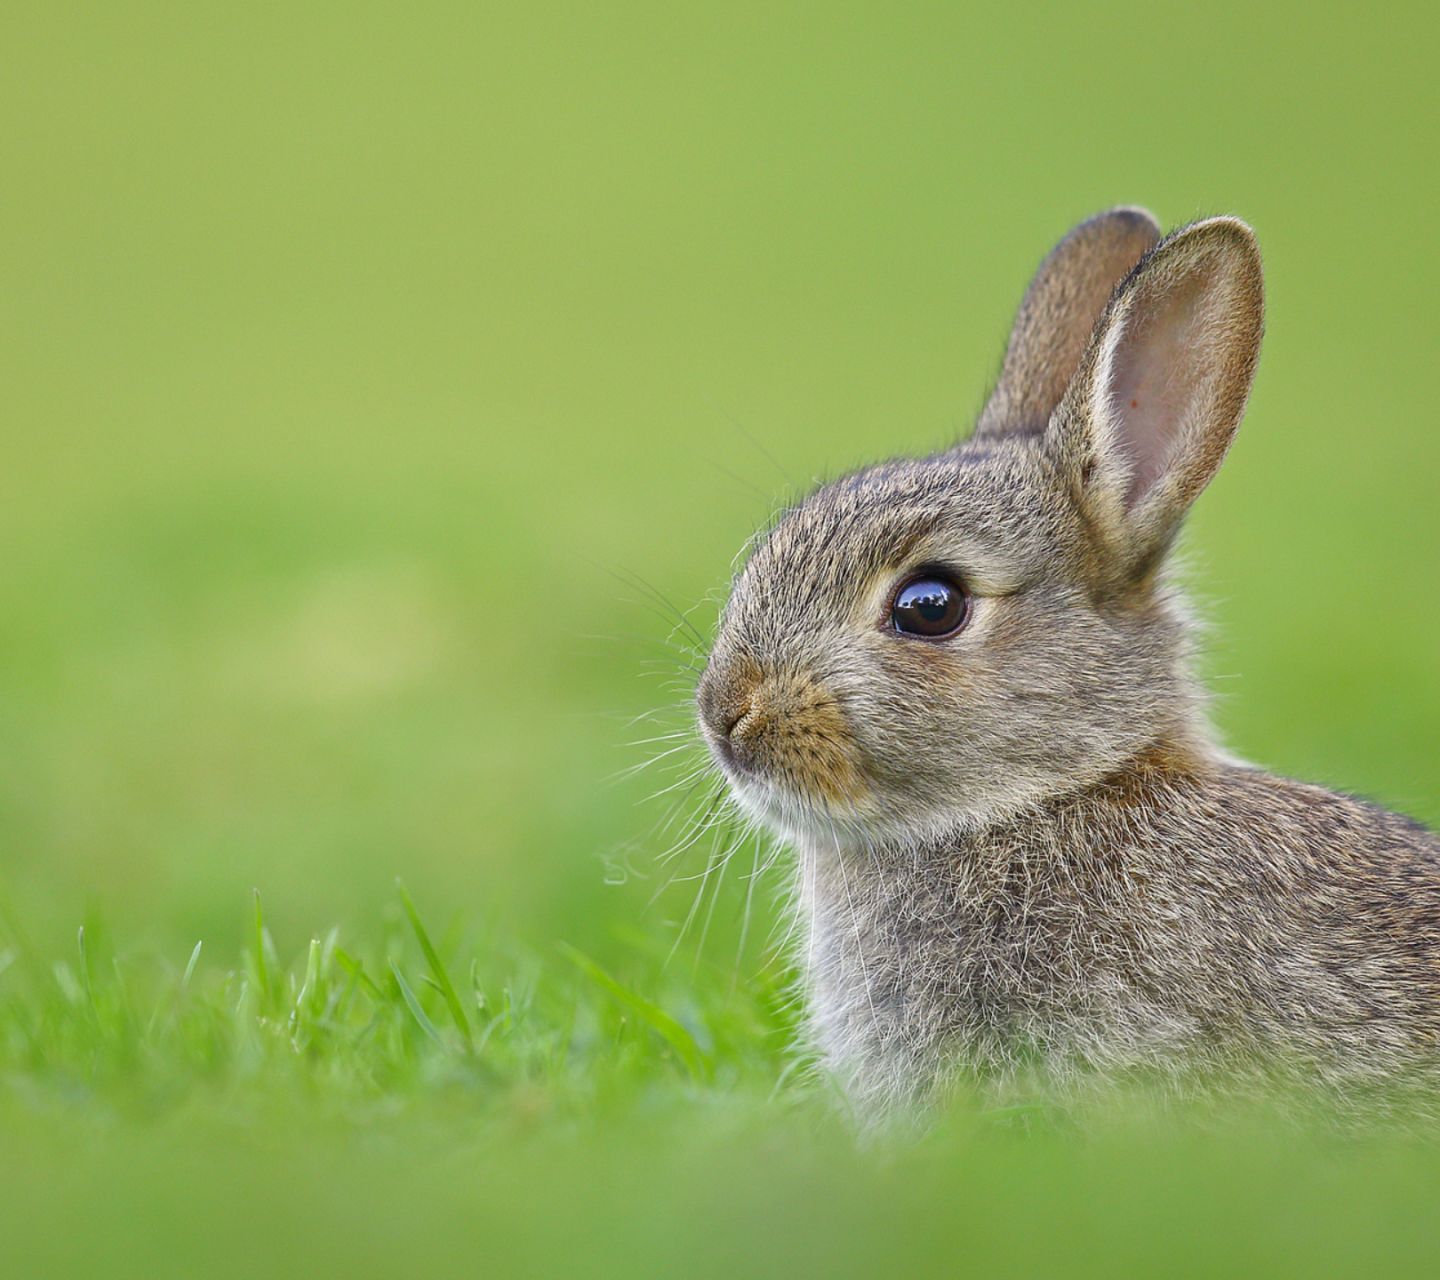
(86, 982)
(666, 1027)
(309, 986)
(357, 970)
(413, 1003)
(432, 958)
(262, 972)
(190, 967)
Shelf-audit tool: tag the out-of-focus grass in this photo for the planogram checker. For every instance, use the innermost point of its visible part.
(349, 354)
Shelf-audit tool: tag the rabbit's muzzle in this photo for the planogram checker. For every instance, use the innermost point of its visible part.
(783, 729)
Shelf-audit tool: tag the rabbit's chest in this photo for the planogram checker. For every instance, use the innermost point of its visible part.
(991, 960)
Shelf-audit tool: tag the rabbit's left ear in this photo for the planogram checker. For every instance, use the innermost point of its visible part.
(1058, 316)
(1160, 391)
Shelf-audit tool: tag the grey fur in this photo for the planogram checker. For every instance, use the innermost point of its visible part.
(1020, 848)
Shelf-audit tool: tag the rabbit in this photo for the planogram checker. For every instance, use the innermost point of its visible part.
(961, 688)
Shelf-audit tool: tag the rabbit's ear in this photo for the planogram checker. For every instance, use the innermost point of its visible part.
(1161, 388)
(1058, 316)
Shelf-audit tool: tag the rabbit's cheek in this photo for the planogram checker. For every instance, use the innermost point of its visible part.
(928, 682)
(819, 754)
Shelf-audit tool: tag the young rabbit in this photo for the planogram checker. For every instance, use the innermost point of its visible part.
(961, 688)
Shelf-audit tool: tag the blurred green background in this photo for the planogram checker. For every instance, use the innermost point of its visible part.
(350, 352)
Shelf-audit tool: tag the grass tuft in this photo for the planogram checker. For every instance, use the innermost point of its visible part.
(139, 1029)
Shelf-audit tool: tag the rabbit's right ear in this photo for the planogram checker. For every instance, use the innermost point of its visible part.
(1058, 315)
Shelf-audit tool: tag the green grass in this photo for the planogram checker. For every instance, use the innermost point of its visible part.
(353, 1026)
(357, 360)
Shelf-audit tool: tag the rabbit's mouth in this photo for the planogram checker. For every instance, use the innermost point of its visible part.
(733, 759)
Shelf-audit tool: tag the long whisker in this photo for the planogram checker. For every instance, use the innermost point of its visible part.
(703, 825)
(717, 854)
(698, 774)
(750, 436)
(677, 807)
(729, 853)
(632, 770)
(667, 607)
(687, 734)
(745, 913)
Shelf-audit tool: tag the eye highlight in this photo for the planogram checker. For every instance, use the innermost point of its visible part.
(930, 606)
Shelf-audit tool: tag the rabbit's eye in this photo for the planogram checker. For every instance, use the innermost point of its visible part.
(929, 606)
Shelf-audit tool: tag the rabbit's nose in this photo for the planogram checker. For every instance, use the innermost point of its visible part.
(745, 726)
(726, 699)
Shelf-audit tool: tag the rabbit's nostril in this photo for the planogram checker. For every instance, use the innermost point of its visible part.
(733, 716)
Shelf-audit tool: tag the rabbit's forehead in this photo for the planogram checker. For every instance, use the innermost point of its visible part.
(985, 504)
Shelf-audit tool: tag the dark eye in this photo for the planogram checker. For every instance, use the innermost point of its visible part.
(930, 606)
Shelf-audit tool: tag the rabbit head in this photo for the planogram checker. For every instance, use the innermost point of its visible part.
(932, 644)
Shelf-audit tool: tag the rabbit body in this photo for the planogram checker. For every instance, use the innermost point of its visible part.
(961, 687)
(1180, 914)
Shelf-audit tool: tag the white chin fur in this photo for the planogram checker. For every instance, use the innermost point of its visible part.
(812, 824)
(815, 826)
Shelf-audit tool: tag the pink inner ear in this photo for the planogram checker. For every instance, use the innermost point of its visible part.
(1160, 376)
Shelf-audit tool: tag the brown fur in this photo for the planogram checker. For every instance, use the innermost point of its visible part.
(1020, 848)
